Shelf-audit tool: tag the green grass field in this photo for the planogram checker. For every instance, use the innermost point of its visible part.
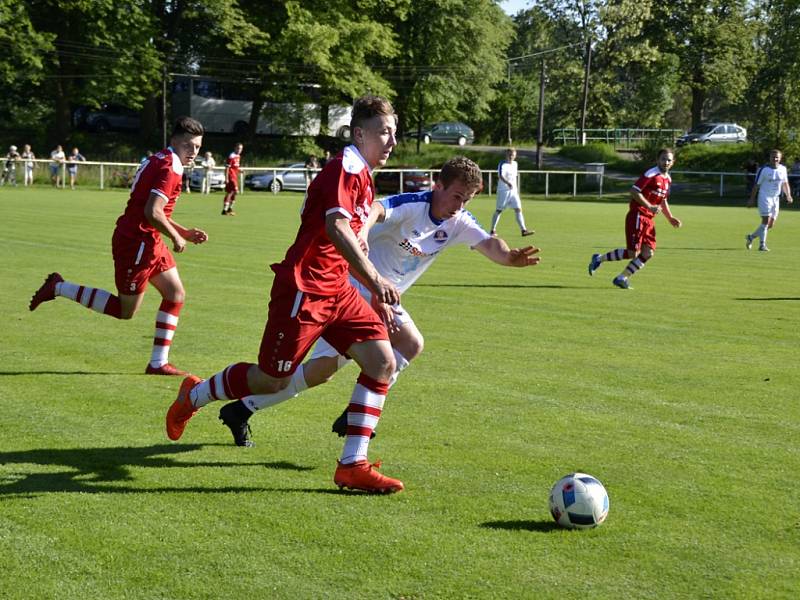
(680, 395)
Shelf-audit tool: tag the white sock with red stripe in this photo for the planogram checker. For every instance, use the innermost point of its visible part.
(166, 323)
(228, 384)
(95, 299)
(363, 414)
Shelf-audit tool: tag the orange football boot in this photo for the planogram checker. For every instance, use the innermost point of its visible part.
(362, 475)
(182, 409)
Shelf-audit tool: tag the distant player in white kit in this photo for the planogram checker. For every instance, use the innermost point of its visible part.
(508, 194)
(770, 181)
(410, 231)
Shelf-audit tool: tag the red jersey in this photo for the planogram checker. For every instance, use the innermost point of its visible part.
(160, 174)
(654, 186)
(312, 263)
(233, 166)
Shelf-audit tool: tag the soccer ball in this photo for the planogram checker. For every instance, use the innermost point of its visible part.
(578, 501)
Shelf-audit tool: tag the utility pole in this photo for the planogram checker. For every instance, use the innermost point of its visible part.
(540, 132)
(582, 141)
(164, 108)
(508, 62)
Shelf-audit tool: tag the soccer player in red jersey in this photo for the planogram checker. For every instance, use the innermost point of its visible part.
(312, 294)
(140, 255)
(231, 179)
(648, 197)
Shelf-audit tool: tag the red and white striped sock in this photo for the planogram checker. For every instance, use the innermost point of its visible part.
(93, 298)
(363, 413)
(166, 323)
(228, 384)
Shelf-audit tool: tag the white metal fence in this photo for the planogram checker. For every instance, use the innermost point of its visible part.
(591, 181)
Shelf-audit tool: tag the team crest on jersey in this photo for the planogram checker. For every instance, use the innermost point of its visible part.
(440, 236)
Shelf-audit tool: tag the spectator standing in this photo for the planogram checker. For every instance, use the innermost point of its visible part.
(28, 156)
(794, 177)
(57, 158)
(772, 179)
(312, 167)
(232, 179)
(208, 163)
(10, 167)
(72, 166)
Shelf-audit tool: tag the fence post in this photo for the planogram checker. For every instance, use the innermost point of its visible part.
(401, 182)
(601, 182)
(546, 184)
(272, 184)
(489, 189)
(574, 184)
(721, 184)
(101, 176)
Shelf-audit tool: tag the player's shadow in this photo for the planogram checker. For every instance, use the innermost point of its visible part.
(768, 299)
(102, 470)
(500, 286)
(523, 525)
(50, 372)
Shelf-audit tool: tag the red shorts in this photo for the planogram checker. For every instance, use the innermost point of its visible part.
(297, 319)
(639, 231)
(136, 261)
(232, 185)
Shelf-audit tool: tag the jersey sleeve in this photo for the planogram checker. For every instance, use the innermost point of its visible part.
(642, 183)
(469, 231)
(348, 190)
(161, 178)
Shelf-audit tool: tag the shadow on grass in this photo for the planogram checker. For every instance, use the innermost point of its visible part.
(527, 525)
(15, 373)
(787, 298)
(495, 285)
(89, 470)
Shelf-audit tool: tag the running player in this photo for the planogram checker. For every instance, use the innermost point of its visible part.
(411, 231)
(311, 293)
(648, 197)
(231, 179)
(772, 179)
(140, 255)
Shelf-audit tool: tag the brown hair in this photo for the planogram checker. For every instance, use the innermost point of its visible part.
(188, 125)
(664, 151)
(460, 168)
(367, 107)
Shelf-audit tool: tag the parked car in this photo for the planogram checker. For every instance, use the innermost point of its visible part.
(714, 133)
(109, 117)
(284, 179)
(196, 178)
(416, 180)
(447, 133)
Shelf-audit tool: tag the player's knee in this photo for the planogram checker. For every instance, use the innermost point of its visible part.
(382, 366)
(414, 348)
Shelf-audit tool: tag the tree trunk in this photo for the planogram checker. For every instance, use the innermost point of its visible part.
(255, 113)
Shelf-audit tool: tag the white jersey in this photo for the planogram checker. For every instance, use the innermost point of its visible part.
(409, 239)
(770, 181)
(508, 171)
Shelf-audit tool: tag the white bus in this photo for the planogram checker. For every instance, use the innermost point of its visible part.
(225, 107)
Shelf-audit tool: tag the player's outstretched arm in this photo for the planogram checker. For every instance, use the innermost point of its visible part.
(668, 214)
(496, 249)
(154, 213)
(194, 235)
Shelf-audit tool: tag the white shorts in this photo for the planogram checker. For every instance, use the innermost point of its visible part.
(769, 207)
(508, 199)
(401, 317)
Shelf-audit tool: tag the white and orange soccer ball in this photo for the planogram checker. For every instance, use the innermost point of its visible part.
(579, 501)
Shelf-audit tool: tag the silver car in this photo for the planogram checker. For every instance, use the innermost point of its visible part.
(714, 133)
(284, 177)
(196, 178)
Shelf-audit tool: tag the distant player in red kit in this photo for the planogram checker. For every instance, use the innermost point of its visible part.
(312, 296)
(231, 179)
(140, 255)
(648, 197)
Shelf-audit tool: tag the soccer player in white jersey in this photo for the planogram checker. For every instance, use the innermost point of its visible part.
(770, 181)
(508, 194)
(410, 231)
